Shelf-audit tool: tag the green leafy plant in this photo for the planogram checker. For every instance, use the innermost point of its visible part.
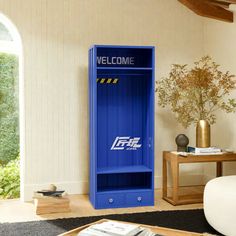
(196, 94)
(9, 125)
(10, 179)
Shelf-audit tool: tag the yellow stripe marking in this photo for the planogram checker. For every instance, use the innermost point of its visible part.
(102, 81)
(115, 81)
(109, 81)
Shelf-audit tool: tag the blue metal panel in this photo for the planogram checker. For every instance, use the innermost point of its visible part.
(92, 176)
(121, 85)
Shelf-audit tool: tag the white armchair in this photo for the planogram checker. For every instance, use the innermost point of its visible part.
(220, 204)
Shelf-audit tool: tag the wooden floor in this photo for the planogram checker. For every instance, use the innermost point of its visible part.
(16, 211)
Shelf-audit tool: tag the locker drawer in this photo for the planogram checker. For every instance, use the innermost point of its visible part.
(140, 198)
(110, 200)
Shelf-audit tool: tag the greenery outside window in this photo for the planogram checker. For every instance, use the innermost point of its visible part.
(9, 116)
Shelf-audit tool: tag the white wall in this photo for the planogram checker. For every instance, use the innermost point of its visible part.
(56, 35)
(220, 43)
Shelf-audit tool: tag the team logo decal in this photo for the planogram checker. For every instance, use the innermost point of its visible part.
(126, 143)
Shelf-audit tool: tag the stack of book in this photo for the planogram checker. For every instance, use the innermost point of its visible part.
(205, 151)
(50, 204)
(112, 228)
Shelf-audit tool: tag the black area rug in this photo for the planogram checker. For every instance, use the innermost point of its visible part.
(188, 220)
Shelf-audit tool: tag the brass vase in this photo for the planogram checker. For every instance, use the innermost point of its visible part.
(203, 134)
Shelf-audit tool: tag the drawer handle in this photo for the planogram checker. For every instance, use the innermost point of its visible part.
(139, 199)
(110, 200)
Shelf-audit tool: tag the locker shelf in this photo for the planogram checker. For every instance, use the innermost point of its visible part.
(124, 68)
(123, 169)
(124, 181)
(123, 71)
(124, 189)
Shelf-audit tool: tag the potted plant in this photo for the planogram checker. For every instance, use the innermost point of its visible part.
(195, 94)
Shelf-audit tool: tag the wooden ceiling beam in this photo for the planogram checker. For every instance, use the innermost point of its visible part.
(229, 1)
(219, 3)
(204, 8)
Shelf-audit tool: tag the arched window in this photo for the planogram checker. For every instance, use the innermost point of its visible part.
(9, 37)
(10, 77)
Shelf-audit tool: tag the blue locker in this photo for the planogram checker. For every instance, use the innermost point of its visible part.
(121, 100)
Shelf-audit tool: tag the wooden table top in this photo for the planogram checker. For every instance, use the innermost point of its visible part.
(191, 158)
(158, 230)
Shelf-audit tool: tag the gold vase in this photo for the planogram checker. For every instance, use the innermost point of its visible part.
(203, 134)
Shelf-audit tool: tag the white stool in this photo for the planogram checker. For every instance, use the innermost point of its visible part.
(220, 204)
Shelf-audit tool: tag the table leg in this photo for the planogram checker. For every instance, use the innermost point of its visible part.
(175, 179)
(164, 177)
(218, 169)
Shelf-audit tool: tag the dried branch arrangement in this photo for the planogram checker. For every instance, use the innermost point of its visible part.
(196, 94)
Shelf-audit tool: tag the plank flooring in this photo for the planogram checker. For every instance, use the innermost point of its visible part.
(16, 211)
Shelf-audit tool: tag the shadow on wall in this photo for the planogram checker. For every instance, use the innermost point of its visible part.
(168, 124)
(222, 133)
(165, 140)
(84, 120)
(223, 136)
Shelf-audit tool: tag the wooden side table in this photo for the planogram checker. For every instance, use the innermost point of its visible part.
(175, 160)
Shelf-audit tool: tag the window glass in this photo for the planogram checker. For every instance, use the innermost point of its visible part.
(4, 33)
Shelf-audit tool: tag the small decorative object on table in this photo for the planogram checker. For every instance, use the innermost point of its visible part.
(51, 191)
(195, 95)
(52, 187)
(182, 142)
(203, 131)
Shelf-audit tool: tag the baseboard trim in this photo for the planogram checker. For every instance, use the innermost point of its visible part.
(82, 187)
